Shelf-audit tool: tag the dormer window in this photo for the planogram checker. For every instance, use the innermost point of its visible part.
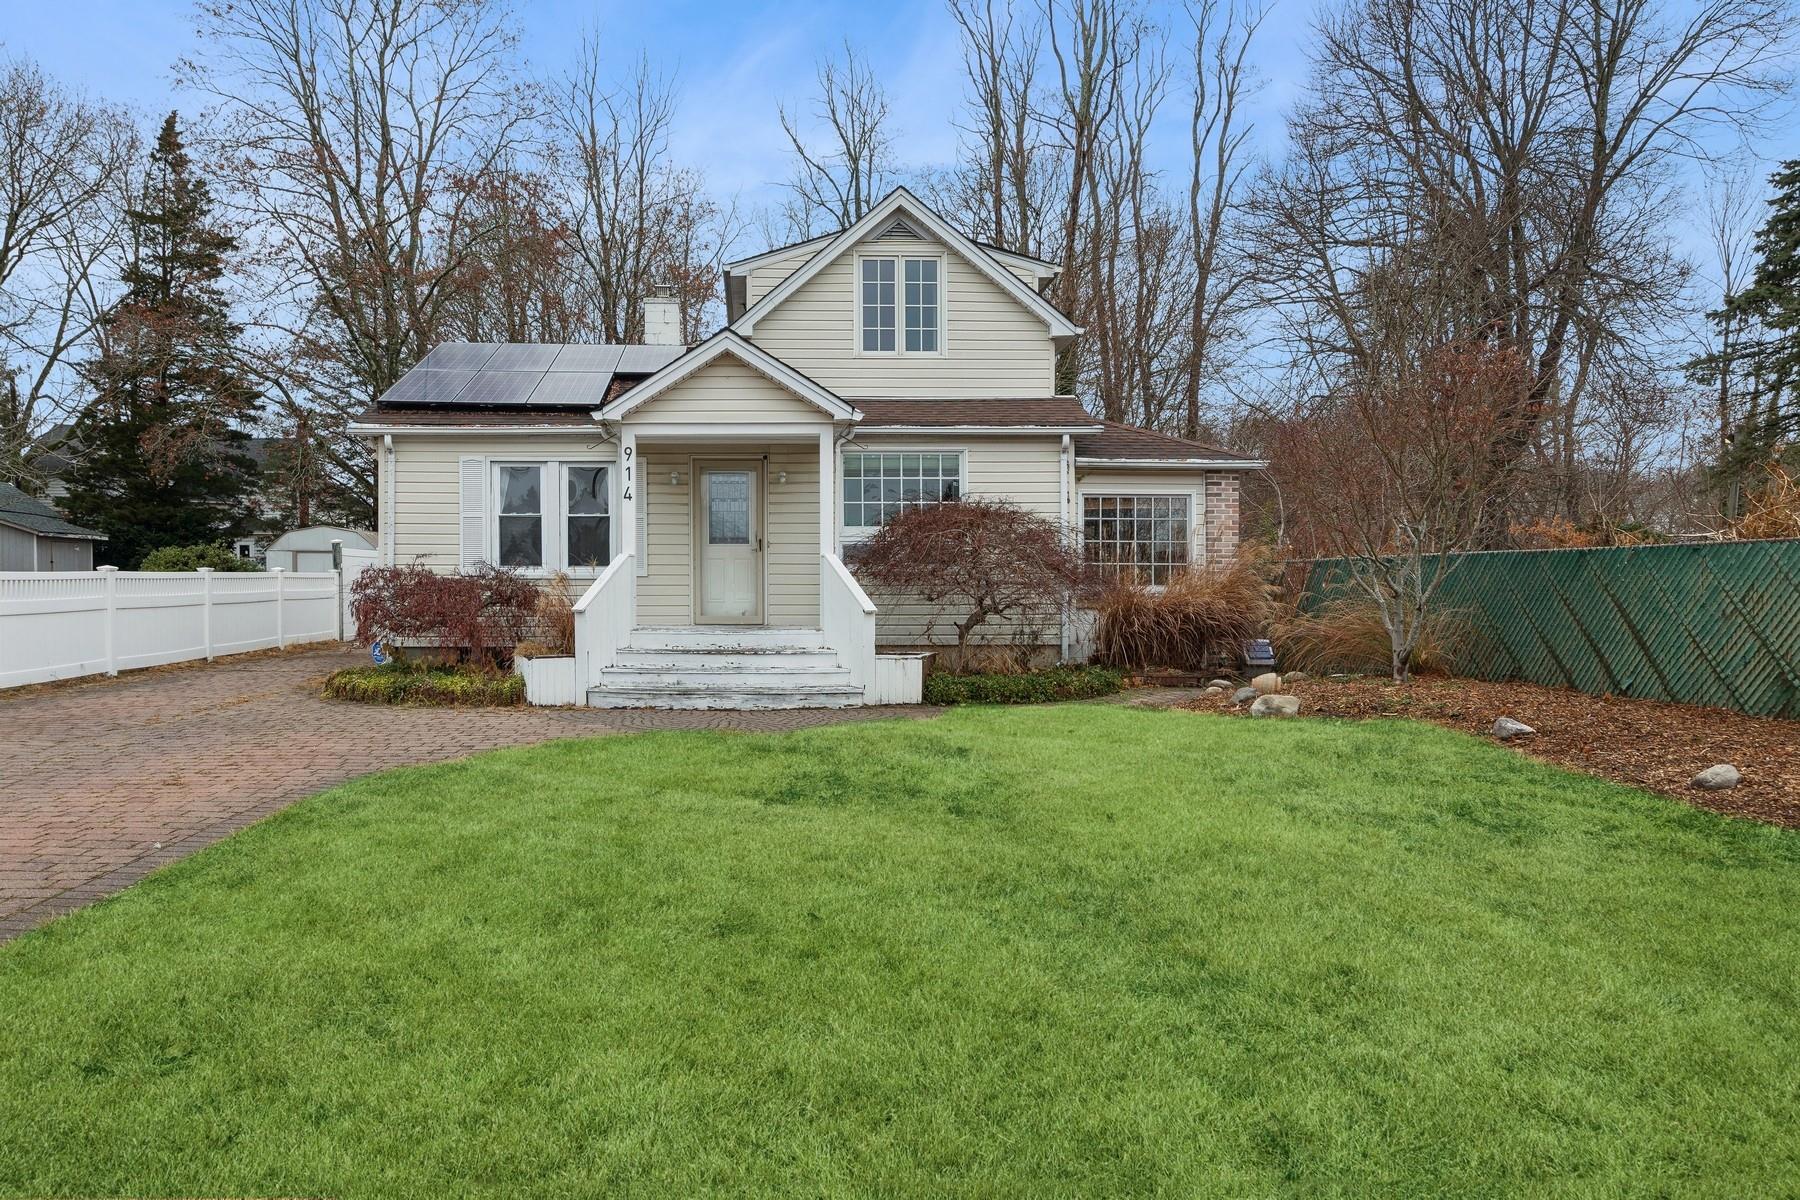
(901, 308)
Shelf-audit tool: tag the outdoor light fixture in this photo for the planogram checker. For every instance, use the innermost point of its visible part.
(674, 478)
(781, 477)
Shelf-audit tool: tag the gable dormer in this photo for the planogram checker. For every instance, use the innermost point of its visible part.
(902, 304)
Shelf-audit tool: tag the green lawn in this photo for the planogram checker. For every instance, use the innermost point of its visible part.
(1078, 949)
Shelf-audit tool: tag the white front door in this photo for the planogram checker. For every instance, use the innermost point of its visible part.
(728, 582)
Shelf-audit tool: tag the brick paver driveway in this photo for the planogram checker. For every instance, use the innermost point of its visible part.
(102, 781)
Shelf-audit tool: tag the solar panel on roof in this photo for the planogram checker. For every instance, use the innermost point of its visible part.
(647, 360)
(459, 356)
(423, 386)
(519, 356)
(499, 388)
(588, 358)
(572, 389)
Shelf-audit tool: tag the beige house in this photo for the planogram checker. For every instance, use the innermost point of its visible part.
(703, 496)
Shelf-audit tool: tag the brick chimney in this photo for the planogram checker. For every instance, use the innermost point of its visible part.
(662, 317)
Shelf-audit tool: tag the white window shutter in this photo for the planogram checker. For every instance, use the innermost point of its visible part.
(642, 547)
(473, 493)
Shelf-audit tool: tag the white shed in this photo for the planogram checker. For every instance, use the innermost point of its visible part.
(309, 549)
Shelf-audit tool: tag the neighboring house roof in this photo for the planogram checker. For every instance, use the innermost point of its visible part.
(727, 341)
(896, 201)
(34, 516)
(1122, 444)
(1060, 414)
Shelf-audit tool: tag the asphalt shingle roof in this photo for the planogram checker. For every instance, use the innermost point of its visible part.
(23, 512)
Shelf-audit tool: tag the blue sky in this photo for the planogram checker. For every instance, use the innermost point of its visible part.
(735, 63)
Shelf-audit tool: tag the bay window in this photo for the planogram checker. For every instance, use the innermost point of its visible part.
(1137, 539)
(552, 516)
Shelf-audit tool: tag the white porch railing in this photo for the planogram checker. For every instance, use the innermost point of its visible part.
(847, 617)
(604, 617)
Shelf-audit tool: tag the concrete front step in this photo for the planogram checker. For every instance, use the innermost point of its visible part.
(787, 658)
(737, 638)
(724, 675)
(731, 696)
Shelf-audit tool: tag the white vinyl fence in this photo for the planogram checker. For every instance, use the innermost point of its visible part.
(56, 625)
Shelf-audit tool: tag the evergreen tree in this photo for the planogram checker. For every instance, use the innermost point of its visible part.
(1760, 342)
(162, 460)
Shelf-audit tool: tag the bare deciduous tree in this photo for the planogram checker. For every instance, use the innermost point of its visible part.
(65, 183)
(835, 183)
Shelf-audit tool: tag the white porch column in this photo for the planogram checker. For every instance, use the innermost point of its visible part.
(827, 491)
(629, 481)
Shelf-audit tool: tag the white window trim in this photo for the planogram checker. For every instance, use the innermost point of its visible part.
(555, 516)
(1196, 498)
(899, 258)
(850, 535)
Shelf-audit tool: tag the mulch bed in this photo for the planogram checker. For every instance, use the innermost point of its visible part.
(1642, 743)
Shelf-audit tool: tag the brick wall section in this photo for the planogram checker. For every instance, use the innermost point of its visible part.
(1222, 517)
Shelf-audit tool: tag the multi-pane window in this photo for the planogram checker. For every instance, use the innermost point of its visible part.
(877, 304)
(519, 540)
(1139, 539)
(922, 305)
(550, 515)
(916, 312)
(588, 520)
(878, 487)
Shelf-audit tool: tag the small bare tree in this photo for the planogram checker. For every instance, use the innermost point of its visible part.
(1385, 474)
(973, 562)
(836, 182)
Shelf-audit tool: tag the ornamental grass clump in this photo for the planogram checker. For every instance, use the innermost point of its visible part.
(1347, 634)
(1200, 617)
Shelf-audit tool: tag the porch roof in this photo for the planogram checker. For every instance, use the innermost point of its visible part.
(1127, 444)
(1049, 414)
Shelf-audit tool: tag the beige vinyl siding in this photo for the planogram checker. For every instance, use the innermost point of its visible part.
(993, 344)
(790, 532)
(426, 512)
(1024, 470)
(1153, 481)
(723, 391)
(763, 279)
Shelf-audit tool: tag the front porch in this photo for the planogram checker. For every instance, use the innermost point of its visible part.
(727, 590)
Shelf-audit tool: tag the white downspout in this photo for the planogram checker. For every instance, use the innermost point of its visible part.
(386, 499)
(1064, 500)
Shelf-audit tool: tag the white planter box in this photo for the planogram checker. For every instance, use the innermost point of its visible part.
(899, 679)
(549, 681)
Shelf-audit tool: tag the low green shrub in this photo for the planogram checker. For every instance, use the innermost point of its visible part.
(192, 558)
(1031, 687)
(454, 686)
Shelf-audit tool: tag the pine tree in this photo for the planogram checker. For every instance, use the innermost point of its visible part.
(162, 459)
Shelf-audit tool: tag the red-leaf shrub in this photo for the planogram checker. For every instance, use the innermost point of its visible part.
(974, 561)
(486, 610)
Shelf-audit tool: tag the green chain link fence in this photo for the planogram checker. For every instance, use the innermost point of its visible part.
(1708, 623)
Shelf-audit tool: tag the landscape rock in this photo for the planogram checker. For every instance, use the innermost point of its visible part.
(1295, 677)
(1717, 778)
(1276, 706)
(1243, 695)
(1506, 729)
(1215, 690)
(1267, 683)
(1221, 684)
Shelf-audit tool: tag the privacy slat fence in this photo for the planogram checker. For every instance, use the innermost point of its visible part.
(1708, 623)
(56, 625)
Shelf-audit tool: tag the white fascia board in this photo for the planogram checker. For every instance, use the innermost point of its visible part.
(755, 260)
(465, 430)
(996, 430)
(728, 341)
(1186, 464)
(899, 198)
